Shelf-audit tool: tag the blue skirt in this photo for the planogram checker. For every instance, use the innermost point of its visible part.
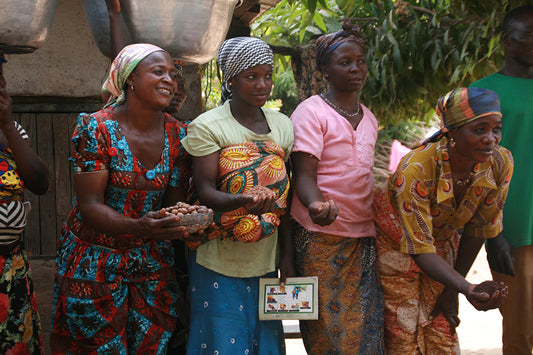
(225, 315)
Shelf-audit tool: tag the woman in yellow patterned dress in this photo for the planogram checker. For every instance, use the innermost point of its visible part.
(444, 199)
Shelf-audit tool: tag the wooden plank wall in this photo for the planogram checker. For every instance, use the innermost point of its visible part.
(49, 134)
(50, 138)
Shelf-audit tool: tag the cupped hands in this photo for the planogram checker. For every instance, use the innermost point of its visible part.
(484, 301)
(259, 203)
(158, 225)
(323, 213)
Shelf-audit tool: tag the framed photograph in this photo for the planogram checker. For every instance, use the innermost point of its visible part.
(298, 299)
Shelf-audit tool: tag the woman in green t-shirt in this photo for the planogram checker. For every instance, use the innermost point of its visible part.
(238, 153)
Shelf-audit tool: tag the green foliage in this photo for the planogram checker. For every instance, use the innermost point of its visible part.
(417, 50)
(289, 24)
(211, 85)
(285, 90)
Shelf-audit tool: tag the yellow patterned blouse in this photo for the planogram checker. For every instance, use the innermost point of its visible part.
(421, 191)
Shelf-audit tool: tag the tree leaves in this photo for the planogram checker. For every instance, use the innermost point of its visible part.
(417, 50)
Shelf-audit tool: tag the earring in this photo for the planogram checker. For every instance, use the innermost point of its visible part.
(132, 88)
(230, 84)
(452, 142)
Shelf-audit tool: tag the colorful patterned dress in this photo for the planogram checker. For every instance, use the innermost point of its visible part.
(115, 294)
(20, 327)
(418, 214)
(343, 254)
(241, 167)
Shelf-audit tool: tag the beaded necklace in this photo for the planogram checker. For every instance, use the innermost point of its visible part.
(465, 181)
(340, 110)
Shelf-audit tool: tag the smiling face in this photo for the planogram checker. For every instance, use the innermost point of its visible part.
(252, 86)
(154, 81)
(476, 141)
(346, 68)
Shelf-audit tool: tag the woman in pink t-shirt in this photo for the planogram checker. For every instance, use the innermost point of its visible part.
(332, 157)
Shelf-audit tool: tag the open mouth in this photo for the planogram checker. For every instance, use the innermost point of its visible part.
(164, 91)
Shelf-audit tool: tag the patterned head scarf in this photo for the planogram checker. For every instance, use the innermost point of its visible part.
(464, 105)
(326, 44)
(121, 68)
(178, 64)
(238, 54)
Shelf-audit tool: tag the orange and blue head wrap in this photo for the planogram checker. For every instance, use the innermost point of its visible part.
(464, 105)
(326, 44)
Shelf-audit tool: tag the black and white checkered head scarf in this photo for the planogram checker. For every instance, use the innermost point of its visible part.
(238, 54)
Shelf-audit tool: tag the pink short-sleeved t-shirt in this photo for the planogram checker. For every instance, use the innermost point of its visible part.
(344, 173)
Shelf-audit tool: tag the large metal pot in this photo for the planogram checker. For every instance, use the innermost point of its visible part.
(24, 24)
(191, 30)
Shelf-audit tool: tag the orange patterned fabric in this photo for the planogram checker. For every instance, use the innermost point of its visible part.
(421, 190)
(350, 316)
(417, 213)
(409, 294)
(241, 167)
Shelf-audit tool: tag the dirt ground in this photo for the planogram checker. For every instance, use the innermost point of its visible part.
(43, 282)
(479, 332)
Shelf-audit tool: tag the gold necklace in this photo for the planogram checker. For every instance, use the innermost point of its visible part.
(465, 181)
(340, 110)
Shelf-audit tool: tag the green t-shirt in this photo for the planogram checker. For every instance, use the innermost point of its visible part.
(210, 132)
(516, 97)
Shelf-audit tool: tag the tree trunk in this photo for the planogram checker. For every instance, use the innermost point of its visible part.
(309, 80)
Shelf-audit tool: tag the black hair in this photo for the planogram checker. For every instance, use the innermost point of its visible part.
(515, 15)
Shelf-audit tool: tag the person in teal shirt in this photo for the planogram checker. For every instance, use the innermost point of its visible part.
(514, 85)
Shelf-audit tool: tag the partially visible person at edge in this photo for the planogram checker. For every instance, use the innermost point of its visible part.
(235, 147)
(514, 84)
(115, 288)
(20, 168)
(178, 341)
(444, 199)
(332, 160)
(118, 42)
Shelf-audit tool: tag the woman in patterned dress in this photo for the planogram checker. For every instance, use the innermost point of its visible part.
(444, 199)
(179, 339)
(332, 161)
(115, 288)
(20, 168)
(235, 147)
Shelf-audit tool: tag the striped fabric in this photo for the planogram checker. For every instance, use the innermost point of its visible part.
(21, 131)
(12, 208)
(12, 220)
(238, 54)
(463, 105)
(241, 53)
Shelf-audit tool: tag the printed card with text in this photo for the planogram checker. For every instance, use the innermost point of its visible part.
(298, 299)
